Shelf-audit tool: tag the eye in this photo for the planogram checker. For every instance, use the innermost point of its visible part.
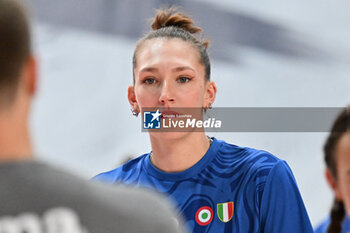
(183, 79)
(149, 81)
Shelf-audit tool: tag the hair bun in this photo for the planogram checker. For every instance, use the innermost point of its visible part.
(170, 17)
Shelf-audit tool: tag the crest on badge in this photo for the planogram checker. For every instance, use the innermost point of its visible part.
(225, 211)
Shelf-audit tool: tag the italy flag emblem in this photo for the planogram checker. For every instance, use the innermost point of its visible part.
(225, 211)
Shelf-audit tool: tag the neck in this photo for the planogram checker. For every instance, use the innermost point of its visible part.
(14, 138)
(176, 155)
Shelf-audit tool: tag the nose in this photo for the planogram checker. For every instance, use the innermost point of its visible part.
(166, 97)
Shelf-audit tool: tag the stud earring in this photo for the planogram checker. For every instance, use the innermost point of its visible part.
(134, 112)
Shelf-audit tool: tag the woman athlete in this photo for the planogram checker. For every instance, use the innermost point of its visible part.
(218, 187)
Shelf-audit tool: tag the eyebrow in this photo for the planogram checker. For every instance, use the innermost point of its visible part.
(148, 69)
(177, 69)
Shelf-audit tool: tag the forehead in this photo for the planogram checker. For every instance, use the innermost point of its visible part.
(168, 52)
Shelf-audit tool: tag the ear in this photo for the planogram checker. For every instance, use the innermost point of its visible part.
(132, 98)
(30, 76)
(334, 185)
(210, 94)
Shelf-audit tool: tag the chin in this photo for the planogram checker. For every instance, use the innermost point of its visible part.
(169, 135)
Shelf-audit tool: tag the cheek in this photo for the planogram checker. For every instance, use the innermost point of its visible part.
(145, 98)
(345, 189)
(195, 95)
(194, 98)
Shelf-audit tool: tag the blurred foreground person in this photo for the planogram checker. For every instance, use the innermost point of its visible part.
(337, 158)
(35, 197)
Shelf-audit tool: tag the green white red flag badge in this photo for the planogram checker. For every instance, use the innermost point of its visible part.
(204, 215)
(225, 211)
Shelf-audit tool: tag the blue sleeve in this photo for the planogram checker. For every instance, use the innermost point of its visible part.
(107, 177)
(322, 228)
(282, 208)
